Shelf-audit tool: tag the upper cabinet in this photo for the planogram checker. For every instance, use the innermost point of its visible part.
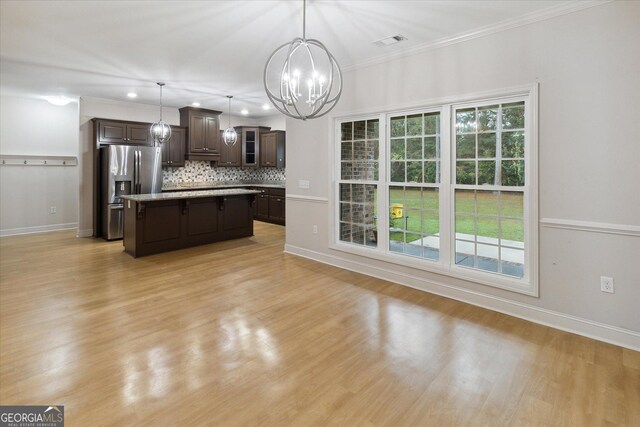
(173, 150)
(272, 149)
(250, 136)
(230, 155)
(203, 138)
(121, 132)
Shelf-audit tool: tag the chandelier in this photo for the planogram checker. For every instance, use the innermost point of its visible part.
(302, 78)
(230, 136)
(160, 131)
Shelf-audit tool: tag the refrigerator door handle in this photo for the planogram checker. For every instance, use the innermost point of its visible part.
(136, 171)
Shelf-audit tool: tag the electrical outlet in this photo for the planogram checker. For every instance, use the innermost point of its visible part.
(606, 284)
(315, 229)
(52, 210)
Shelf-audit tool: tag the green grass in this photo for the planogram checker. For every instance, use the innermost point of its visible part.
(416, 208)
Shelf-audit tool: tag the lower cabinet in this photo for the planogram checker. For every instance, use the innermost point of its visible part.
(157, 226)
(270, 205)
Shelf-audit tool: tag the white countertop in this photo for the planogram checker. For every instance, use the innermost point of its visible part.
(221, 184)
(188, 195)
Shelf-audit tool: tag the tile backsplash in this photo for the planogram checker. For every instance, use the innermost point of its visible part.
(201, 171)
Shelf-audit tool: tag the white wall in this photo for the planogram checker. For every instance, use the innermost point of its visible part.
(31, 126)
(586, 64)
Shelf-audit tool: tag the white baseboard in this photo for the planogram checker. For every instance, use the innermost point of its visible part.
(577, 325)
(38, 229)
(85, 233)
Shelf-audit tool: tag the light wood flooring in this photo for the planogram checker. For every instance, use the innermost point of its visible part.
(239, 333)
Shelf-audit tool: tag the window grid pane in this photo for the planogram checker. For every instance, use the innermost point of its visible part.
(489, 144)
(489, 230)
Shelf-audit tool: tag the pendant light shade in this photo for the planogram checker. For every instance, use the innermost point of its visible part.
(302, 78)
(160, 131)
(230, 136)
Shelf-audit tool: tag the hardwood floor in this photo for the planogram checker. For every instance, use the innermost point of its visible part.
(238, 333)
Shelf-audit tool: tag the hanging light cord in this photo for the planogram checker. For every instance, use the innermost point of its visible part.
(229, 109)
(160, 84)
(304, 20)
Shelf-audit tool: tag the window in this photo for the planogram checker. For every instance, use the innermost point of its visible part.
(489, 188)
(359, 147)
(414, 223)
(456, 182)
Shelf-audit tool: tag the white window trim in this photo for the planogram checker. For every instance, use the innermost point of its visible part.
(529, 284)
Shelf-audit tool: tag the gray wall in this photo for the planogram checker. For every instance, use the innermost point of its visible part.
(32, 126)
(586, 64)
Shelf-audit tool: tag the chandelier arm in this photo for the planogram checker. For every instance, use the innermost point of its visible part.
(293, 47)
(266, 68)
(313, 70)
(264, 76)
(334, 62)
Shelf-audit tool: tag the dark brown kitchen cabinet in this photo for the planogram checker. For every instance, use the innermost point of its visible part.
(121, 132)
(230, 155)
(276, 208)
(203, 133)
(262, 211)
(270, 205)
(272, 149)
(173, 150)
(162, 225)
(251, 144)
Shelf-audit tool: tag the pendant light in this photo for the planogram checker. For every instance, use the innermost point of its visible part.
(160, 131)
(302, 78)
(230, 136)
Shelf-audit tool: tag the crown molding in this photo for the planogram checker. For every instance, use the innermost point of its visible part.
(541, 15)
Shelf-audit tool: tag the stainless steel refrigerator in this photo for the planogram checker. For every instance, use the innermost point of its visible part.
(126, 170)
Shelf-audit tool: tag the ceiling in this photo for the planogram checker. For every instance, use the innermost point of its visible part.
(205, 50)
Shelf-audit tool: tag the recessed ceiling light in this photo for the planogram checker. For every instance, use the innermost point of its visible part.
(244, 111)
(390, 40)
(132, 95)
(58, 100)
(265, 106)
(195, 104)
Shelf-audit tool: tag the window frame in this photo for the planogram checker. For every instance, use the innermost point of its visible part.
(337, 180)
(446, 264)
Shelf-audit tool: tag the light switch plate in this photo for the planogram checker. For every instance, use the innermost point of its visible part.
(303, 183)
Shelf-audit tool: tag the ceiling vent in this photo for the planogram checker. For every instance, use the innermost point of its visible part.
(387, 41)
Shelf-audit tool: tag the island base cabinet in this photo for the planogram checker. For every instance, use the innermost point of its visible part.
(160, 226)
(270, 205)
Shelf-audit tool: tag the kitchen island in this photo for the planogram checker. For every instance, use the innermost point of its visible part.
(163, 222)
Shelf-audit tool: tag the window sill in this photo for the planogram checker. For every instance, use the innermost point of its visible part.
(487, 279)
